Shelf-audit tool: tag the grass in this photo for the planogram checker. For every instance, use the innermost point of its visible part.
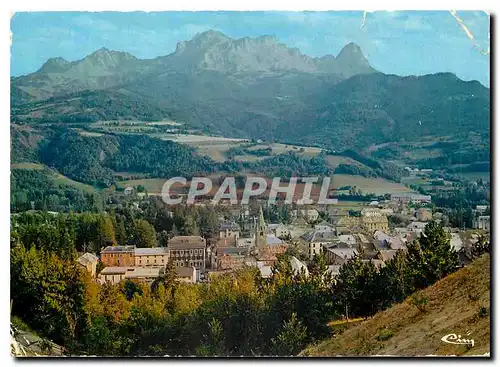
(378, 186)
(27, 165)
(152, 185)
(404, 330)
(63, 180)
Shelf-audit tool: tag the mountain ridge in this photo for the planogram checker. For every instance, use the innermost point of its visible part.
(210, 50)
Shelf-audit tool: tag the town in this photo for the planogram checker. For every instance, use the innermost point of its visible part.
(377, 231)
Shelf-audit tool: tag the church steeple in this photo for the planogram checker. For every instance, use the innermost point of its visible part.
(260, 231)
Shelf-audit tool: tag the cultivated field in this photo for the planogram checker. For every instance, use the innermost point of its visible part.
(378, 186)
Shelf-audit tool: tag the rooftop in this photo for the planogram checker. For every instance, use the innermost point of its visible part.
(231, 226)
(182, 242)
(232, 250)
(185, 271)
(87, 259)
(151, 251)
(111, 270)
(111, 249)
(144, 272)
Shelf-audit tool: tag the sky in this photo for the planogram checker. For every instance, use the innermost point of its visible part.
(395, 42)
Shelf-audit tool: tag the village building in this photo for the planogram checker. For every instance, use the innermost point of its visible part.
(317, 238)
(481, 222)
(118, 256)
(383, 241)
(188, 251)
(89, 262)
(112, 274)
(416, 227)
(347, 224)
(339, 256)
(298, 227)
(298, 266)
(128, 190)
(386, 255)
(407, 198)
(310, 215)
(225, 258)
(334, 214)
(456, 241)
(280, 230)
(230, 230)
(144, 274)
(185, 274)
(423, 214)
(374, 222)
(155, 256)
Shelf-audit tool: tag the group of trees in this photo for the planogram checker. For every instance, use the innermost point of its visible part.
(67, 234)
(235, 314)
(37, 189)
(363, 290)
(150, 227)
(92, 159)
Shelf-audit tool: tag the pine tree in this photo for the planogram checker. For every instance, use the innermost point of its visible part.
(291, 339)
(431, 256)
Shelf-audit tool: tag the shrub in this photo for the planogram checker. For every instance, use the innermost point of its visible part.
(384, 334)
(420, 301)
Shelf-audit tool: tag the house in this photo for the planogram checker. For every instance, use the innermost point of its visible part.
(185, 274)
(481, 222)
(224, 258)
(280, 230)
(155, 256)
(229, 230)
(383, 241)
(423, 214)
(188, 251)
(456, 242)
(347, 224)
(298, 227)
(112, 274)
(406, 198)
(310, 215)
(348, 239)
(386, 255)
(481, 208)
(373, 220)
(266, 271)
(324, 226)
(417, 227)
(316, 239)
(118, 256)
(144, 274)
(89, 262)
(339, 256)
(334, 270)
(116, 274)
(128, 190)
(298, 266)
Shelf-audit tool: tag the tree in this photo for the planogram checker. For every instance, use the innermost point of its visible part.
(394, 281)
(145, 235)
(431, 256)
(356, 288)
(291, 339)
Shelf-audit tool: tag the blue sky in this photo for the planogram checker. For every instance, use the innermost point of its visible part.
(403, 43)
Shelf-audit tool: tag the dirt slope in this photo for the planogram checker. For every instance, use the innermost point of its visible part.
(459, 304)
